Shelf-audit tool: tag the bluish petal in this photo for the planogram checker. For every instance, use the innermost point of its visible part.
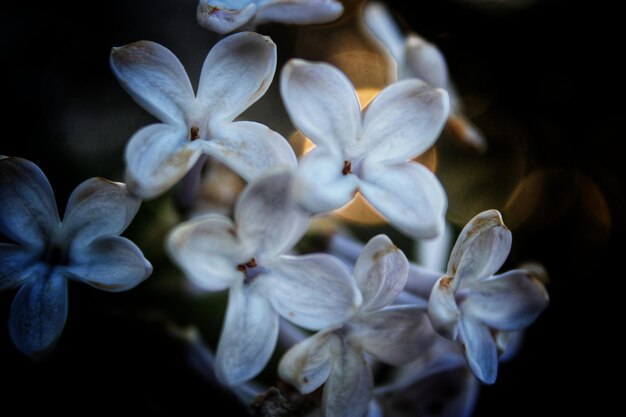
(224, 17)
(348, 391)
(155, 79)
(38, 313)
(299, 12)
(511, 301)
(248, 336)
(480, 349)
(97, 207)
(110, 263)
(16, 264)
(28, 211)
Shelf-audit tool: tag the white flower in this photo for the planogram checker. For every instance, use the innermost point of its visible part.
(417, 58)
(367, 152)
(249, 257)
(236, 73)
(224, 16)
(391, 334)
(472, 304)
(46, 251)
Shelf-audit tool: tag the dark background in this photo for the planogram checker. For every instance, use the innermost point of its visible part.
(540, 81)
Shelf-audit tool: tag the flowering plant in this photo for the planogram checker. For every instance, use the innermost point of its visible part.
(350, 323)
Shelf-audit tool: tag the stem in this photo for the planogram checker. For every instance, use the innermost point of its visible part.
(186, 191)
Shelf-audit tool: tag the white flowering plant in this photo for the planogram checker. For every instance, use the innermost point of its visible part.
(323, 316)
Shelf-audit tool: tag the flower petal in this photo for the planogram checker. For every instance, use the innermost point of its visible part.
(250, 149)
(267, 218)
(219, 18)
(480, 349)
(155, 79)
(248, 336)
(16, 264)
(511, 301)
(110, 263)
(322, 103)
(481, 248)
(207, 250)
(313, 291)
(157, 157)
(408, 195)
(320, 185)
(380, 272)
(425, 61)
(395, 335)
(38, 313)
(403, 121)
(236, 73)
(443, 311)
(348, 390)
(299, 12)
(28, 211)
(97, 207)
(307, 365)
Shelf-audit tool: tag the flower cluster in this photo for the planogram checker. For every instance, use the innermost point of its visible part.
(338, 315)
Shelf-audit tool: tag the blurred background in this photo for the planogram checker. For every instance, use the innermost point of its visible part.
(536, 76)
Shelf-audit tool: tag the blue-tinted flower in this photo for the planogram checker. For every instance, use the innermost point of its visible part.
(418, 58)
(236, 73)
(45, 251)
(225, 16)
(473, 305)
(367, 151)
(394, 335)
(249, 257)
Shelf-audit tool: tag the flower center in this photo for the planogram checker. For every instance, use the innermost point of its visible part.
(194, 133)
(55, 256)
(250, 270)
(347, 168)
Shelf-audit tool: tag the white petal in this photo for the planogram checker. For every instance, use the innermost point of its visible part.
(248, 336)
(16, 264)
(223, 18)
(481, 248)
(443, 311)
(38, 313)
(97, 207)
(425, 61)
(250, 149)
(395, 335)
(408, 195)
(320, 184)
(207, 250)
(236, 73)
(267, 218)
(380, 21)
(28, 211)
(154, 78)
(511, 301)
(157, 157)
(313, 291)
(307, 364)
(480, 349)
(348, 391)
(110, 263)
(380, 272)
(403, 121)
(299, 12)
(322, 103)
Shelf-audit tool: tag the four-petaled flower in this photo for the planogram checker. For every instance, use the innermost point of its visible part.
(367, 152)
(249, 257)
(236, 73)
(391, 334)
(472, 304)
(418, 58)
(225, 16)
(45, 252)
